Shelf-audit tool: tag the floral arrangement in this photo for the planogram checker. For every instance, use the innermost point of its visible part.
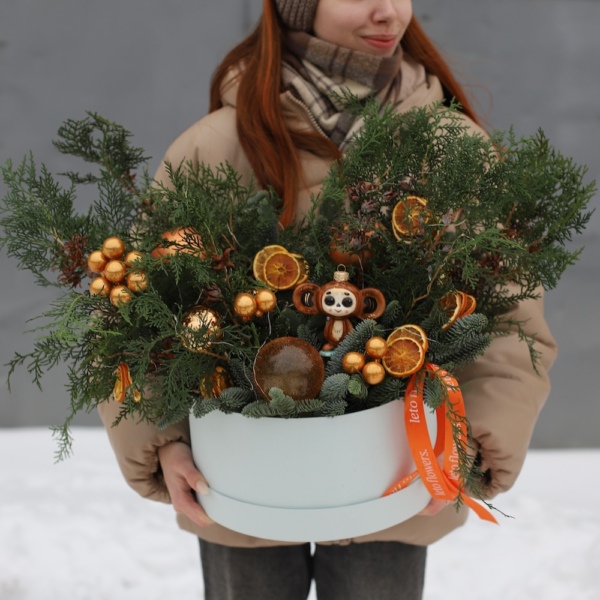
(188, 297)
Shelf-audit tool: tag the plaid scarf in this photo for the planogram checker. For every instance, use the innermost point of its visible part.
(319, 74)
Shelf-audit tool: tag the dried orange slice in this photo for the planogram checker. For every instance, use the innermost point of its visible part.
(469, 305)
(404, 357)
(261, 256)
(303, 268)
(281, 271)
(410, 331)
(452, 304)
(409, 216)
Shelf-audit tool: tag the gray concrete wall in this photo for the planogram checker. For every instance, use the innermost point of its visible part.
(146, 64)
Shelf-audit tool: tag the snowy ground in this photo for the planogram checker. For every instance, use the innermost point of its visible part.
(75, 531)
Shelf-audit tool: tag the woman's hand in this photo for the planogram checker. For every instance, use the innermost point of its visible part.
(182, 479)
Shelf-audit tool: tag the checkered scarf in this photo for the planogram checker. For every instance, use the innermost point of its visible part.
(319, 74)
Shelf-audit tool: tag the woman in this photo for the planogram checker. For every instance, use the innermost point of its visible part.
(273, 117)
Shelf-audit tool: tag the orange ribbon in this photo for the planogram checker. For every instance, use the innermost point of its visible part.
(443, 483)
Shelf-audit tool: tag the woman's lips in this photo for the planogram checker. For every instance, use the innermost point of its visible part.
(381, 42)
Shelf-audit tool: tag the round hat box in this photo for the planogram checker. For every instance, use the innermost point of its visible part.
(310, 479)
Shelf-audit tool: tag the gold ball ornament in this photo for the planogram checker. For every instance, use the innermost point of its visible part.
(353, 362)
(373, 373)
(99, 287)
(266, 301)
(132, 257)
(113, 248)
(244, 306)
(137, 281)
(120, 295)
(114, 271)
(376, 347)
(96, 261)
(200, 328)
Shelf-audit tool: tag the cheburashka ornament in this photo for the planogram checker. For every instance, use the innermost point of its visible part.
(338, 300)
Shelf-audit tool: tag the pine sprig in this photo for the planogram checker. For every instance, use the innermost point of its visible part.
(100, 141)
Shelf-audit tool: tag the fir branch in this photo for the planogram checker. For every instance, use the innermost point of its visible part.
(241, 373)
(467, 339)
(358, 388)
(335, 387)
(204, 406)
(259, 408)
(234, 399)
(332, 408)
(391, 388)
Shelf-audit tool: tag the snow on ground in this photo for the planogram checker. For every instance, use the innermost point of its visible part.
(75, 531)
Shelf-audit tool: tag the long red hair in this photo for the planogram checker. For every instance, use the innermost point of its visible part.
(272, 148)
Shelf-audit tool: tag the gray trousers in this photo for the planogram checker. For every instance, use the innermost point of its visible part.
(367, 571)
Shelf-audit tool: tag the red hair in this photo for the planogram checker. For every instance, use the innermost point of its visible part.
(272, 148)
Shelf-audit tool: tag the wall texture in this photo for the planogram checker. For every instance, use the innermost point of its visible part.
(146, 64)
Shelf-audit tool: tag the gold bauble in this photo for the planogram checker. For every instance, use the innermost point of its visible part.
(244, 306)
(200, 328)
(113, 248)
(353, 362)
(373, 373)
(137, 281)
(114, 271)
(120, 295)
(132, 257)
(99, 287)
(96, 261)
(376, 347)
(266, 301)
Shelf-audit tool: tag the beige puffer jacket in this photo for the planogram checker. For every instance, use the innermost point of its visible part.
(503, 393)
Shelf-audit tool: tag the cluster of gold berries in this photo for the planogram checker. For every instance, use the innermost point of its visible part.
(248, 305)
(372, 372)
(112, 265)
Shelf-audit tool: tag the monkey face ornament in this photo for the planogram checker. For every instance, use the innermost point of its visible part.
(339, 300)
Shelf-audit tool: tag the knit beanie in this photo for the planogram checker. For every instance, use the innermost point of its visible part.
(298, 15)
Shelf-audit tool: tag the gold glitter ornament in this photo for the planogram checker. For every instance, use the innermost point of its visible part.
(99, 287)
(137, 281)
(353, 362)
(376, 347)
(244, 306)
(120, 295)
(373, 373)
(266, 301)
(199, 319)
(113, 248)
(96, 261)
(114, 271)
